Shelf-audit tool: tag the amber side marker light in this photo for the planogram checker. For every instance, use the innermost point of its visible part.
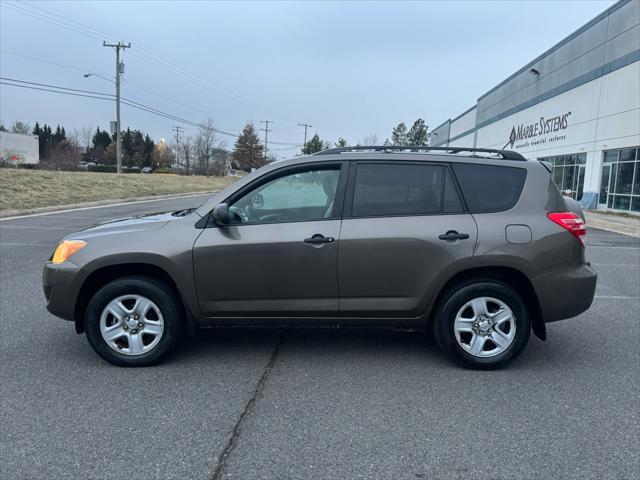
(66, 249)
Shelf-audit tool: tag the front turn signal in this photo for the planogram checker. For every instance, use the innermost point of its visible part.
(67, 248)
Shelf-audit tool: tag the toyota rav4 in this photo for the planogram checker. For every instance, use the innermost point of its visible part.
(474, 246)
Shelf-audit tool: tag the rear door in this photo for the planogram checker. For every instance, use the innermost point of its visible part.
(404, 229)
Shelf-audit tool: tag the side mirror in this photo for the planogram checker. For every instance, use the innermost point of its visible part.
(220, 214)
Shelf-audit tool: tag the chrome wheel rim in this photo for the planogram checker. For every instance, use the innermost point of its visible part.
(131, 325)
(485, 327)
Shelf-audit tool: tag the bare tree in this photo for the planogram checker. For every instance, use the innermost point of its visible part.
(86, 135)
(74, 139)
(187, 152)
(370, 140)
(205, 144)
(63, 157)
(21, 127)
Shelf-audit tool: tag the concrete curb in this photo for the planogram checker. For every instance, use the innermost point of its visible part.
(612, 226)
(100, 203)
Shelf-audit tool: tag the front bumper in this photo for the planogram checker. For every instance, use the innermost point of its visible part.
(58, 285)
(565, 293)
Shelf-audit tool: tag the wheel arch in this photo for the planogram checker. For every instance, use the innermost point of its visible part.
(103, 275)
(508, 275)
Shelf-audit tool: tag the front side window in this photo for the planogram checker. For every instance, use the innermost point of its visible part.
(397, 189)
(297, 197)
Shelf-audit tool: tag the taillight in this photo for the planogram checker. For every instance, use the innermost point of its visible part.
(570, 221)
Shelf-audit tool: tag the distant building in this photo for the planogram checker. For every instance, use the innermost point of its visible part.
(19, 148)
(577, 106)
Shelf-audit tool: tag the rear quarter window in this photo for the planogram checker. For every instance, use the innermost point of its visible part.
(489, 188)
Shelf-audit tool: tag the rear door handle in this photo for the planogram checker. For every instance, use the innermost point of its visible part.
(452, 236)
(318, 239)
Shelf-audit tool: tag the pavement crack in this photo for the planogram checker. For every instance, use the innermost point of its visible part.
(244, 415)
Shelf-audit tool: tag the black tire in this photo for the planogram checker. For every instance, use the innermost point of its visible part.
(452, 303)
(160, 294)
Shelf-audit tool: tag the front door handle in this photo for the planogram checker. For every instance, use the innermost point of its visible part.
(318, 239)
(452, 236)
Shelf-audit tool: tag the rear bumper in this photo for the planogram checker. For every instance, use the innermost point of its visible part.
(565, 293)
(57, 283)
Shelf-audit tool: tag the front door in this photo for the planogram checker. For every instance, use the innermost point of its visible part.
(278, 257)
(404, 228)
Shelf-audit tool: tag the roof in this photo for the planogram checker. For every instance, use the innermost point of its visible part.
(468, 151)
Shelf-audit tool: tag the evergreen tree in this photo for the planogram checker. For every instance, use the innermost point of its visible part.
(147, 151)
(314, 145)
(418, 134)
(45, 141)
(101, 139)
(248, 152)
(137, 143)
(341, 143)
(57, 137)
(399, 134)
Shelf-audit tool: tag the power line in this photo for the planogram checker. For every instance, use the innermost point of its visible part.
(108, 96)
(78, 69)
(55, 86)
(86, 70)
(53, 91)
(44, 18)
(149, 57)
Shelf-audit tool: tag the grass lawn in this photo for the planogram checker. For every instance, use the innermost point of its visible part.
(26, 189)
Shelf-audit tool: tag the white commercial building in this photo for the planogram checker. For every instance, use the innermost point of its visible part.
(18, 148)
(577, 105)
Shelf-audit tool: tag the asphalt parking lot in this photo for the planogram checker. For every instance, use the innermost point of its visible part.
(314, 403)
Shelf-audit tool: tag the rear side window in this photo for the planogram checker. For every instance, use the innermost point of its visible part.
(397, 189)
(489, 188)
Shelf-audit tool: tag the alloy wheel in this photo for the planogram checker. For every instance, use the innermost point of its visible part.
(131, 324)
(485, 327)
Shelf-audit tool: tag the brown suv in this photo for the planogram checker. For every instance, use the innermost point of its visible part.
(476, 246)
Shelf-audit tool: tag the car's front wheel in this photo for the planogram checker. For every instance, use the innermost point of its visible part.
(133, 321)
(482, 325)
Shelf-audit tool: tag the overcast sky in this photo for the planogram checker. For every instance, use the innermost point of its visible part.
(350, 69)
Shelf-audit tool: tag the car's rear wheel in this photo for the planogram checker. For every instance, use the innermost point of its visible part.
(482, 325)
(133, 321)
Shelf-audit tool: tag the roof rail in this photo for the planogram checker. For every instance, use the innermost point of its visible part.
(505, 154)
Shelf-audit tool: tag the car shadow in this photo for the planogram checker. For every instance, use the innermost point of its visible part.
(350, 344)
(316, 341)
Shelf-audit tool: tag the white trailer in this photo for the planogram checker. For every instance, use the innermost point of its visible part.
(19, 148)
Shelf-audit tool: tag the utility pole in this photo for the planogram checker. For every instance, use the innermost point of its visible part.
(306, 126)
(177, 129)
(266, 136)
(119, 69)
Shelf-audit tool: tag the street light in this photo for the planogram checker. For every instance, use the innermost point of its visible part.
(87, 75)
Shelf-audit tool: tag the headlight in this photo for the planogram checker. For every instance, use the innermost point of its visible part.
(66, 249)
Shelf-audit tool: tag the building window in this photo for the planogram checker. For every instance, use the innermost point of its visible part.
(620, 181)
(568, 173)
